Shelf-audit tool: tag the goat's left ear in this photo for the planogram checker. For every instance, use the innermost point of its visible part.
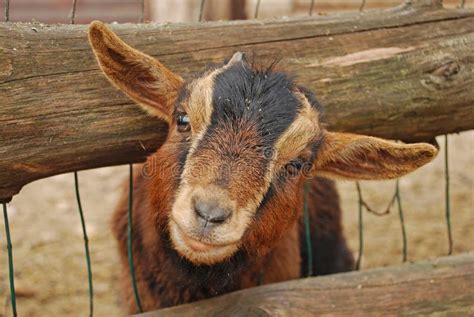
(351, 156)
(143, 78)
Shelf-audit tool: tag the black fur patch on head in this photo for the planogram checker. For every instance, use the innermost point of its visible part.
(263, 98)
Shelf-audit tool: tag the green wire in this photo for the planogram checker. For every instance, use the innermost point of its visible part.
(129, 241)
(11, 272)
(402, 220)
(86, 245)
(201, 10)
(447, 195)
(361, 228)
(307, 221)
(257, 7)
(307, 229)
(311, 7)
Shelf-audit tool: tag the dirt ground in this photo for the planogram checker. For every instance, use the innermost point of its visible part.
(50, 268)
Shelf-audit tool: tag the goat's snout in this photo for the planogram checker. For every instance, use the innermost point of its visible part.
(211, 213)
(204, 224)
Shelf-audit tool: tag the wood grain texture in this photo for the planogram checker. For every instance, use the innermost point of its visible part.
(441, 287)
(403, 74)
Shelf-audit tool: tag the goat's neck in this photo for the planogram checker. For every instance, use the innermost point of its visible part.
(175, 280)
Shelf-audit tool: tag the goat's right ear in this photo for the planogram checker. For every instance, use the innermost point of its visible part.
(143, 78)
(361, 157)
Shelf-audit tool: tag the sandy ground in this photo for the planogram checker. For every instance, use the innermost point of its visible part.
(50, 268)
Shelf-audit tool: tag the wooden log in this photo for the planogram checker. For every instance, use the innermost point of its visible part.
(441, 287)
(400, 74)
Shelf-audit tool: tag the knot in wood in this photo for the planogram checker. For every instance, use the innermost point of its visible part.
(442, 76)
(448, 70)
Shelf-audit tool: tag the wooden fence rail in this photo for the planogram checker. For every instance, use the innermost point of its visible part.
(402, 74)
(443, 286)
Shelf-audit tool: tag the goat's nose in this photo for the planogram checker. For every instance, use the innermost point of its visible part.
(211, 213)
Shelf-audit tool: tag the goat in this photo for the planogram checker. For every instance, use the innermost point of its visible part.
(225, 210)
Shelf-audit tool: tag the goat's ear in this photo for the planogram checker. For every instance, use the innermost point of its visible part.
(351, 156)
(143, 78)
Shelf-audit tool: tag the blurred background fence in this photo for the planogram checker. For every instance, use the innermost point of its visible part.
(122, 11)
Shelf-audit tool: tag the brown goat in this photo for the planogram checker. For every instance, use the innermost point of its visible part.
(223, 208)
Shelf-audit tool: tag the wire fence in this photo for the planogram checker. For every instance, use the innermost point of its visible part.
(362, 204)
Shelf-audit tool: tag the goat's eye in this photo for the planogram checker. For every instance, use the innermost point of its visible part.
(294, 167)
(183, 122)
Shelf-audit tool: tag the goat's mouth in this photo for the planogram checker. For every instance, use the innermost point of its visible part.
(196, 244)
(198, 250)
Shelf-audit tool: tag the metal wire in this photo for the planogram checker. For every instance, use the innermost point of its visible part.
(307, 220)
(379, 213)
(81, 212)
(142, 13)
(362, 5)
(361, 228)
(11, 272)
(201, 10)
(7, 10)
(86, 245)
(131, 265)
(260, 277)
(447, 195)
(73, 12)
(311, 8)
(307, 230)
(402, 220)
(257, 8)
(373, 211)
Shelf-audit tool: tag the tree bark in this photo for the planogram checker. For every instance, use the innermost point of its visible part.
(440, 287)
(403, 74)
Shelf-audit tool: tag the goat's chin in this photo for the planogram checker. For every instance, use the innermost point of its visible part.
(198, 252)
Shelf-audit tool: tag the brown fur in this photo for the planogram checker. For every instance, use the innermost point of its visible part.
(277, 258)
(351, 156)
(178, 257)
(134, 72)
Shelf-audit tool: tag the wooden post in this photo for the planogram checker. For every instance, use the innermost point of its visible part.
(401, 74)
(443, 286)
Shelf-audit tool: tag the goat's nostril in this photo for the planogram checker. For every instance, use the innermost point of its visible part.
(211, 212)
